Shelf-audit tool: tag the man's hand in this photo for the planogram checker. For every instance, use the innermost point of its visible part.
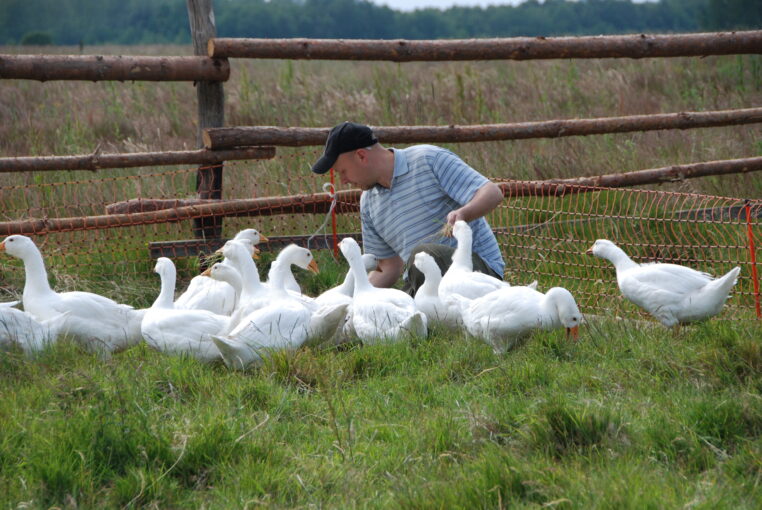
(484, 200)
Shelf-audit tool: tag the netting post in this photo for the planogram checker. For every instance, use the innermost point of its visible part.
(333, 221)
(753, 259)
(211, 113)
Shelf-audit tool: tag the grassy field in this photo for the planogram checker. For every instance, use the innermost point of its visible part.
(629, 417)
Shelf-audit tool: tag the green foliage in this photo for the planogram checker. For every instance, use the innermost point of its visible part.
(36, 38)
(163, 21)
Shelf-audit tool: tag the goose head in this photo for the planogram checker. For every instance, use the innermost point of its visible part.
(253, 236)
(164, 267)
(237, 250)
(426, 264)
(18, 246)
(349, 248)
(296, 255)
(566, 310)
(223, 273)
(603, 248)
(370, 262)
(461, 230)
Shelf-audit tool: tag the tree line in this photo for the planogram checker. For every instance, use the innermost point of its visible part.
(71, 22)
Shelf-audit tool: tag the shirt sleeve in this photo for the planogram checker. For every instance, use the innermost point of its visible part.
(458, 180)
(371, 240)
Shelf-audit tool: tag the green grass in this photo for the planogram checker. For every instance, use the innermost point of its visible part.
(625, 418)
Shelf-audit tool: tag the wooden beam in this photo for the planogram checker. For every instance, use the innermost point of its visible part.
(211, 114)
(119, 68)
(230, 137)
(348, 200)
(516, 48)
(96, 161)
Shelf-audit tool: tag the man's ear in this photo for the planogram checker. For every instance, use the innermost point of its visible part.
(362, 155)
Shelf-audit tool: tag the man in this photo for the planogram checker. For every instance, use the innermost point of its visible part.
(408, 195)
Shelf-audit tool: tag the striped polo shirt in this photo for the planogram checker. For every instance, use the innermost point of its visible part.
(428, 182)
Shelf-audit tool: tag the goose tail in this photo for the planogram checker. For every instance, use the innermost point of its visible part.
(723, 285)
(235, 354)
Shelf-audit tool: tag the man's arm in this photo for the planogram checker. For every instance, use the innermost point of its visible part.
(389, 271)
(484, 200)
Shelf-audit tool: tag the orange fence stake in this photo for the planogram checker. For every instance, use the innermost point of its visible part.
(752, 250)
(333, 223)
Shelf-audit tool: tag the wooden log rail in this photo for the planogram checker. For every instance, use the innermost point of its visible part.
(518, 48)
(230, 137)
(96, 161)
(119, 68)
(138, 212)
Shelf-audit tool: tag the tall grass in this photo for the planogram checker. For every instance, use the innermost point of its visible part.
(625, 418)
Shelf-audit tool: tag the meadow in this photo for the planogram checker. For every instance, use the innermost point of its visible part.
(630, 416)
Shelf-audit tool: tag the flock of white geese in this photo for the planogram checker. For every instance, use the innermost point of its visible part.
(228, 313)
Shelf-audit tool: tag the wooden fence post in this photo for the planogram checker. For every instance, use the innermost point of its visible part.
(211, 113)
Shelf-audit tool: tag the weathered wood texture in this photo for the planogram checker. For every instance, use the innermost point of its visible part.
(145, 211)
(94, 162)
(229, 137)
(211, 114)
(118, 68)
(518, 48)
(294, 204)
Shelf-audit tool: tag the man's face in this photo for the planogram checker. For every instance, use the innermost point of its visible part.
(352, 168)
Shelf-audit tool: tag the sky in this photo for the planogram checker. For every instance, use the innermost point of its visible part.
(409, 5)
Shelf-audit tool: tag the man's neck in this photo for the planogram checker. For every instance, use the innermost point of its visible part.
(386, 172)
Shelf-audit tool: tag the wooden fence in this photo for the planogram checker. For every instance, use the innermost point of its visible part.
(210, 68)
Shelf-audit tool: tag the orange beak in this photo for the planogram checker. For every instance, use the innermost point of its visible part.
(255, 254)
(263, 238)
(313, 266)
(572, 332)
(2, 246)
(589, 251)
(208, 272)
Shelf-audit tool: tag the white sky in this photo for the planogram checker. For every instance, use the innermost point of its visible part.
(409, 5)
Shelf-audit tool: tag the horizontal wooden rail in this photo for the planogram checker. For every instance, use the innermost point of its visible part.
(295, 204)
(348, 200)
(119, 68)
(195, 247)
(229, 137)
(96, 161)
(517, 48)
(674, 173)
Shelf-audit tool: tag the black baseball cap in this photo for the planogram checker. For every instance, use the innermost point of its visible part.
(345, 137)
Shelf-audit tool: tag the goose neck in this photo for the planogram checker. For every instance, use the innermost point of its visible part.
(167, 294)
(462, 254)
(36, 275)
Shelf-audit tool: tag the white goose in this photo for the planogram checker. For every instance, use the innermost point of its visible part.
(379, 315)
(179, 331)
(501, 318)
(671, 293)
(427, 296)
(254, 294)
(213, 295)
(98, 323)
(343, 292)
(20, 328)
(285, 323)
(460, 278)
